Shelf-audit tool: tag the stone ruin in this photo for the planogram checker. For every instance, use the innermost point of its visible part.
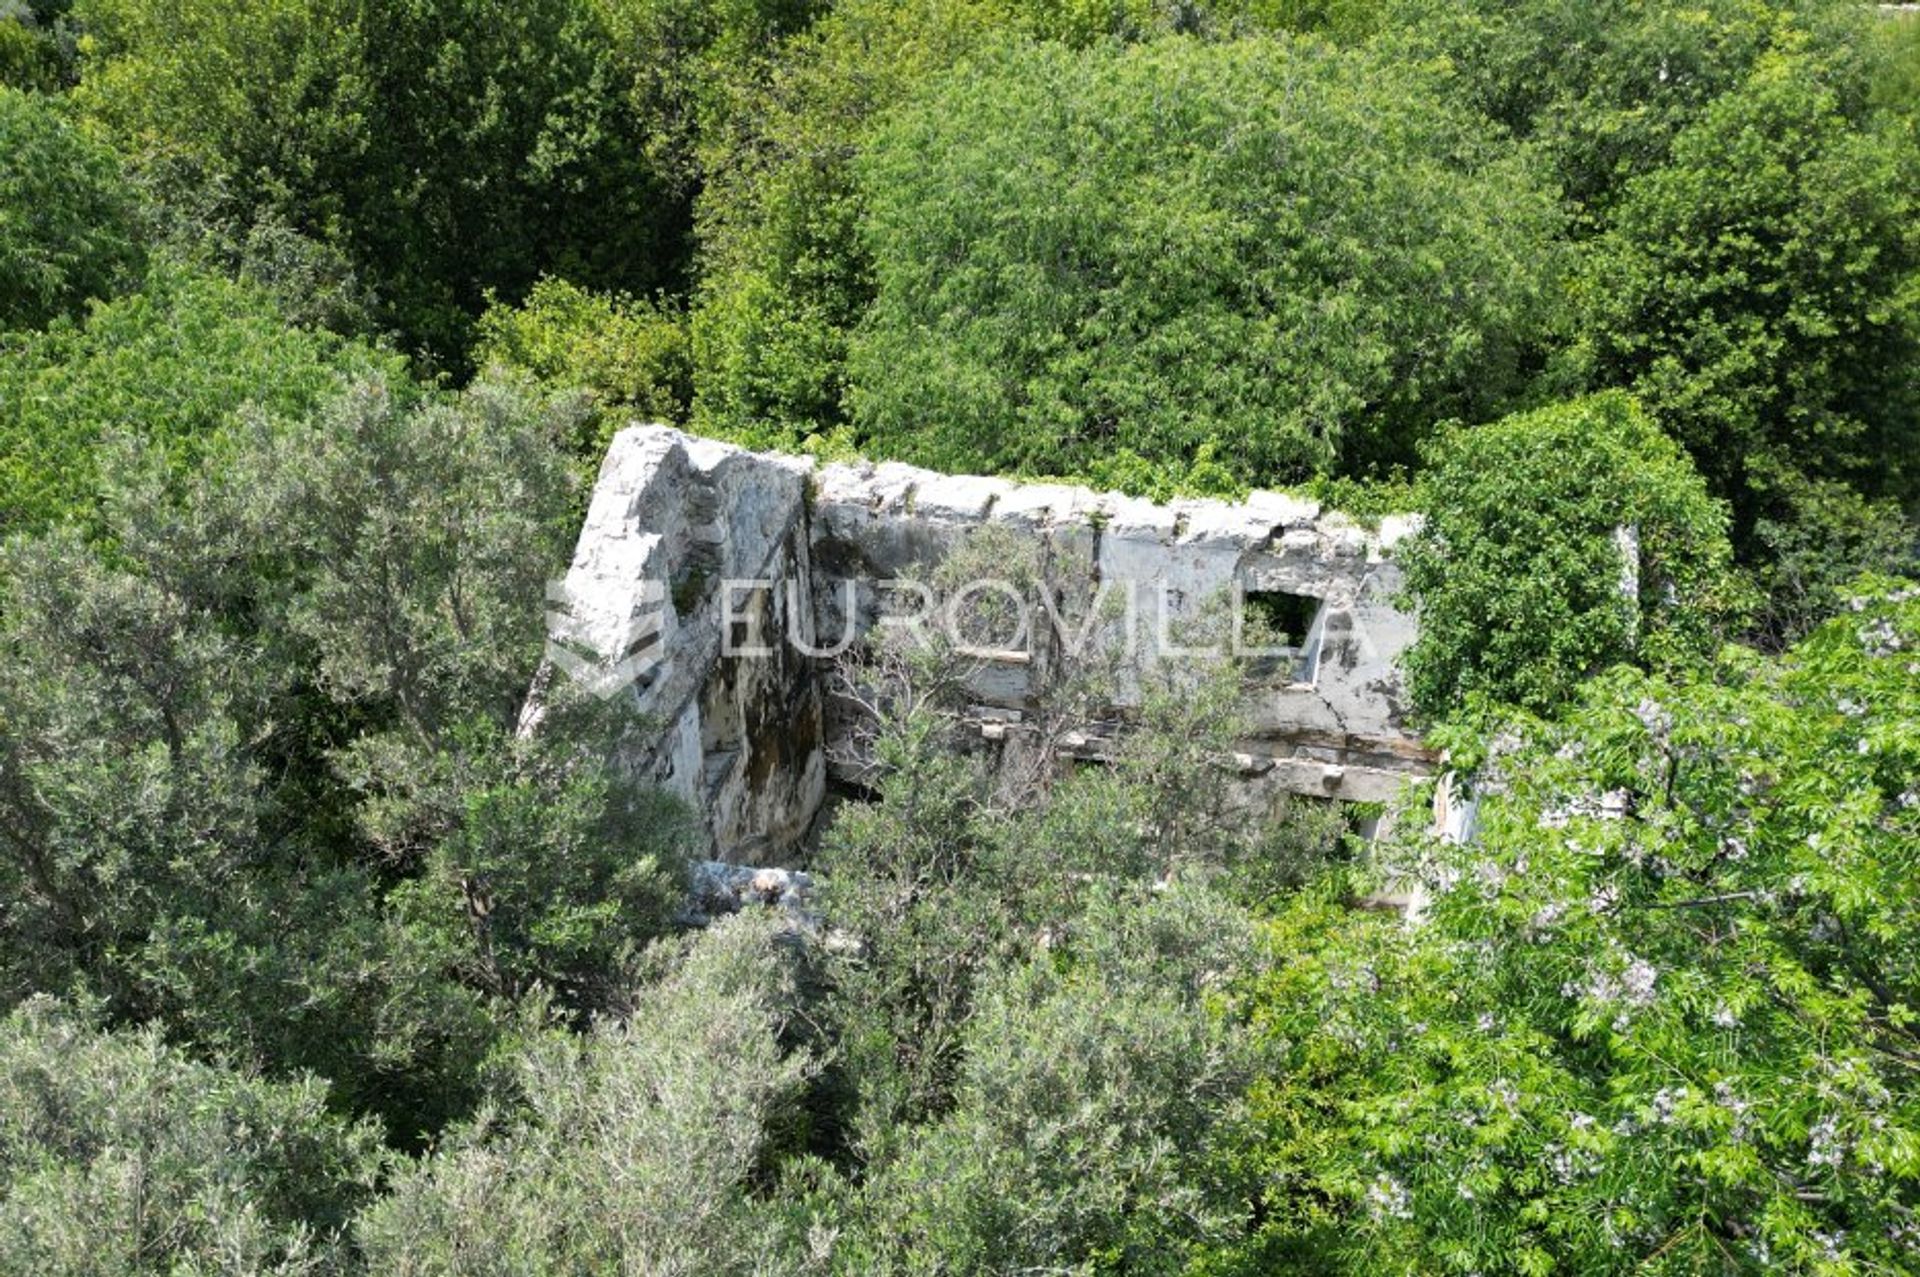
(712, 586)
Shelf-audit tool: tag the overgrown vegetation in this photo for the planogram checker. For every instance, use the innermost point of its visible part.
(314, 315)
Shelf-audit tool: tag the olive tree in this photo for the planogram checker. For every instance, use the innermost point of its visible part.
(634, 1143)
(121, 1155)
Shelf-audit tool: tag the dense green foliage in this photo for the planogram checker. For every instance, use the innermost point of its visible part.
(121, 1155)
(265, 742)
(1757, 292)
(633, 1150)
(36, 44)
(170, 367)
(630, 355)
(444, 148)
(1660, 1017)
(1291, 255)
(67, 228)
(1557, 543)
(316, 957)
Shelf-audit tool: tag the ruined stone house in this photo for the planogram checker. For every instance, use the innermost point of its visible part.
(711, 586)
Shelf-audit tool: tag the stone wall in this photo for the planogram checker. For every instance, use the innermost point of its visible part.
(709, 581)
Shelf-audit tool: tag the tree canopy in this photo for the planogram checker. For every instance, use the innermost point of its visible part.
(320, 957)
(68, 224)
(1268, 246)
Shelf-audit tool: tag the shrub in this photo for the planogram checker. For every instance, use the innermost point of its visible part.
(121, 1155)
(634, 1148)
(1657, 1016)
(1096, 1088)
(171, 366)
(1556, 543)
(631, 355)
(68, 227)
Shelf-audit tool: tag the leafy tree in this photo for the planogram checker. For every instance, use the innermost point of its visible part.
(121, 1155)
(1758, 292)
(36, 45)
(783, 274)
(1657, 1017)
(171, 365)
(1294, 254)
(447, 149)
(630, 354)
(262, 780)
(636, 1141)
(265, 101)
(126, 784)
(420, 539)
(489, 167)
(1603, 88)
(67, 225)
(164, 850)
(688, 67)
(1556, 543)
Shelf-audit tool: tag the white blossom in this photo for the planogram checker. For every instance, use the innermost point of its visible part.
(1824, 1144)
(1638, 982)
(1388, 1198)
(1666, 1100)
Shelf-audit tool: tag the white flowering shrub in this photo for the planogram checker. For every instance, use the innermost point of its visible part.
(1660, 1017)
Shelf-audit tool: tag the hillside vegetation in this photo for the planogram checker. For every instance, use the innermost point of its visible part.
(316, 317)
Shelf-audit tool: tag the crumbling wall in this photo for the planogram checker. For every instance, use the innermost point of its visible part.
(638, 619)
(709, 582)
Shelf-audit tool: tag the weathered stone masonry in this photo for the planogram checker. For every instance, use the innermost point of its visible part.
(727, 678)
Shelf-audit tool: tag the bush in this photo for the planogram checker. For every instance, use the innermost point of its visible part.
(1758, 292)
(634, 1148)
(1299, 256)
(631, 355)
(1524, 583)
(120, 1155)
(1657, 1017)
(1096, 1090)
(171, 366)
(68, 229)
